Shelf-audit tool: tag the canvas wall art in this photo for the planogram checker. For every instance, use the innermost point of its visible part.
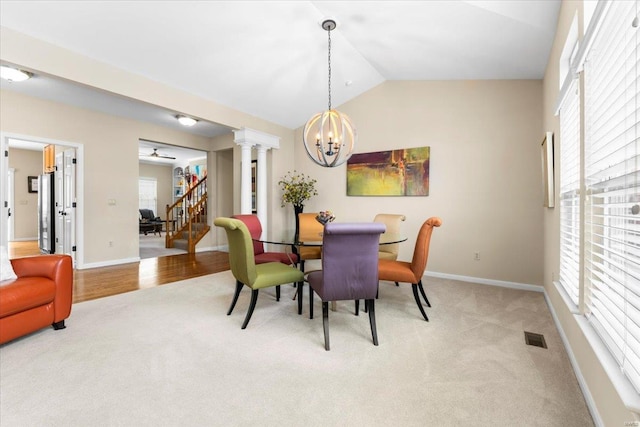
(403, 172)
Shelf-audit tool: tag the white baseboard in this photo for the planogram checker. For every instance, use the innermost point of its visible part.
(224, 248)
(108, 263)
(492, 282)
(576, 368)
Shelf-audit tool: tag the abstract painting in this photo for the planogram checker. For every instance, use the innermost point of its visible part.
(403, 172)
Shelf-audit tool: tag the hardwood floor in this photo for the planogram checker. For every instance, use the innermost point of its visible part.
(105, 281)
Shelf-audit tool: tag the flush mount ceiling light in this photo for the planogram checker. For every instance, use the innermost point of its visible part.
(186, 121)
(13, 74)
(329, 137)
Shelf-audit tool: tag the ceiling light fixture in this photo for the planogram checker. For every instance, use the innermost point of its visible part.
(13, 74)
(186, 121)
(329, 137)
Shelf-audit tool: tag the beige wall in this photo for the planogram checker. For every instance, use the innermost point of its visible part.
(485, 172)
(607, 401)
(163, 174)
(25, 215)
(39, 56)
(110, 165)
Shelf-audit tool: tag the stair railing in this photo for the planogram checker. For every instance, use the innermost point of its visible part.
(187, 217)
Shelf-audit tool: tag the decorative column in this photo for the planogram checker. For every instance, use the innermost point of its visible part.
(247, 138)
(261, 202)
(245, 180)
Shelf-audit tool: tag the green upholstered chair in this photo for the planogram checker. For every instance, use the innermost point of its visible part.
(245, 270)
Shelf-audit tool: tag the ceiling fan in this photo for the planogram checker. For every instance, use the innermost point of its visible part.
(159, 156)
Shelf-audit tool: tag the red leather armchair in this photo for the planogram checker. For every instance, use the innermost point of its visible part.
(40, 296)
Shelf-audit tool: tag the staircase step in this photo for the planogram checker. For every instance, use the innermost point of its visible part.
(181, 244)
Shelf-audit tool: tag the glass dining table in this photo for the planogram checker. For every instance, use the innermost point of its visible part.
(288, 240)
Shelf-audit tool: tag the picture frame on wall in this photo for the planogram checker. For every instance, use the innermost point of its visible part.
(547, 170)
(32, 183)
(399, 172)
(254, 178)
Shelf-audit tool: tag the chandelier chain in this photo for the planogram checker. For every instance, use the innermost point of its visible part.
(329, 61)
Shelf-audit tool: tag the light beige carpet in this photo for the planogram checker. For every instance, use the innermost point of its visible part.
(170, 356)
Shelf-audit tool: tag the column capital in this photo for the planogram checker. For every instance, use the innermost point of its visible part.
(253, 137)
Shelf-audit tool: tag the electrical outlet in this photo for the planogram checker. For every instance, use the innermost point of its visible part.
(110, 244)
(476, 256)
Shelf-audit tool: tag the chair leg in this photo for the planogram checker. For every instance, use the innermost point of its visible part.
(358, 306)
(414, 286)
(365, 304)
(58, 325)
(278, 293)
(252, 305)
(239, 286)
(300, 293)
(325, 324)
(372, 319)
(423, 294)
(397, 284)
(310, 302)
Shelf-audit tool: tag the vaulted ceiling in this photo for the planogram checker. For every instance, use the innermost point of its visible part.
(269, 58)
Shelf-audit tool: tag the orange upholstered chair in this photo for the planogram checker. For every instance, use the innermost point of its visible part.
(310, 231)
(411, 272)
(255, 229)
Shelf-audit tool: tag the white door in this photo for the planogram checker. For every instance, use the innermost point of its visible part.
(11, 200)
(65, 196)
(4, 193)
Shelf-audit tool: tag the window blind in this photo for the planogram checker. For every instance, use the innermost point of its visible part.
(570, 192)
(147, 194)
(612, 182)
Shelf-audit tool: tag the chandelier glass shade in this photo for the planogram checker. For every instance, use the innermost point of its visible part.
(330, 136)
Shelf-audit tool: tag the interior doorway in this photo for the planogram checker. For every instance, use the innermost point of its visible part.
(21, 217)
(161, 184)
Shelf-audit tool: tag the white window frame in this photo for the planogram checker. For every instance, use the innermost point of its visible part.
(148, 202)
(592, 331)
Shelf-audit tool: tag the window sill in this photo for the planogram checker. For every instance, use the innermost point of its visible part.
(629, 396)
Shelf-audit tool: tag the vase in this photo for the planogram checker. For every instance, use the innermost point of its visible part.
(297, 209)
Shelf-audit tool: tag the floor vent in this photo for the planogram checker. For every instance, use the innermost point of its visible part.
(535, 339)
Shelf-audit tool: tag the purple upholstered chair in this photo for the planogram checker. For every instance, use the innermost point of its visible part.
(349, 269)
(255, 229)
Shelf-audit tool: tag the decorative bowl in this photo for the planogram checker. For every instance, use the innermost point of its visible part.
(324, 217)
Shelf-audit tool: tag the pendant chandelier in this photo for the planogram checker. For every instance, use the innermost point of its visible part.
(329, 137)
